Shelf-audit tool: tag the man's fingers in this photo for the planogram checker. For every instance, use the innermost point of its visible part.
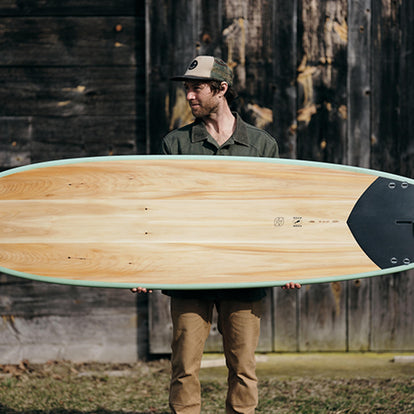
(140, 290)
(292, 285)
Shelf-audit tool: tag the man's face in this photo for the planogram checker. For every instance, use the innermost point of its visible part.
(203, 102)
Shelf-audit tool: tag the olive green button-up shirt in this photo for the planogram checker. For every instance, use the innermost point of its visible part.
(246, 141)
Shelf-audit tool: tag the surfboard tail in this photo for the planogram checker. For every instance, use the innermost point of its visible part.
(382, 222)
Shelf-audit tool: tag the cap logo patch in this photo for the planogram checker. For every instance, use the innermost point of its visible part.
(193, 65)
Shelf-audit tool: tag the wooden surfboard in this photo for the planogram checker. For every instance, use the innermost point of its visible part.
(183, 222)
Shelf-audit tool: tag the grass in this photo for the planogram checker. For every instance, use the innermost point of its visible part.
(288, 384)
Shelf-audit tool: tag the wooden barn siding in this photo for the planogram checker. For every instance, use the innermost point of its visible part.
(392, 98)
(331, 80)
(72, 84)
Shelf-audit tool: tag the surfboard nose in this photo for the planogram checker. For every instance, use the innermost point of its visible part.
(382, 222)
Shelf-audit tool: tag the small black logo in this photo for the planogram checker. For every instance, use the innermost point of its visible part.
(193, 65)
(297, 221)
(279, 221)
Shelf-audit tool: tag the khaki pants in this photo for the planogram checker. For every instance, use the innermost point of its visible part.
(239, 324)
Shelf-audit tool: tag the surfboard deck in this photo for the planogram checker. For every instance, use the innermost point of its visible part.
(183, 222)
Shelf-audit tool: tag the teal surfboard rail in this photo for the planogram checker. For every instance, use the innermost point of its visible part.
(326, 165)
(205, 286)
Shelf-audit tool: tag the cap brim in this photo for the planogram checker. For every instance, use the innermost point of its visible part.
(184, 78)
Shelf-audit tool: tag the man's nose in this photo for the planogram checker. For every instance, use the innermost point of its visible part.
(190, 95)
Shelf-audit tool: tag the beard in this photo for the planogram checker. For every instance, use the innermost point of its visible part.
(202, 110)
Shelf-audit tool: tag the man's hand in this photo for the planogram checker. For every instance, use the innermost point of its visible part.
(292, 285)
(141, 290)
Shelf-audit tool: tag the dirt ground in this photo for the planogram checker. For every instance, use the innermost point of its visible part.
(340, 365)
(328, 383)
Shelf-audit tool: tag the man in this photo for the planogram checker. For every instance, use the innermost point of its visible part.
(215, 131)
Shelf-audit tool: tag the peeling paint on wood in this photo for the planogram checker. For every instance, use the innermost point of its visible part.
(262, 117)
(235, 38)
(181, 113)
(78, 89)
(343, 111)
(305, 79)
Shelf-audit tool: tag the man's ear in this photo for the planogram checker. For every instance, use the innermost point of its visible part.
(223, 87)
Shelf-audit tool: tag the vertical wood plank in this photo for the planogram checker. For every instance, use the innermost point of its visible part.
(358, 151)
(285, 55)
(247, 43)
(321, 136)
(358, 88)
(323, 317)
(406, 97)
(386, 86)
(167, 105)
(393, 313)
(285, 320)
(157, 72)
(159, 323)
(284, 76)
(210, 28)
(359, 315)
(322, 80)
(266, 325)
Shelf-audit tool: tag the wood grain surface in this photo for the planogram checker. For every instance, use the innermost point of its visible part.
(164, 221)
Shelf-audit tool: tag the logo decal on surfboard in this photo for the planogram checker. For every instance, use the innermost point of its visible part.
(279, 221)
(297, 221)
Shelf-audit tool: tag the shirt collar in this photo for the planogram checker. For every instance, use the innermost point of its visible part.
(199, 132)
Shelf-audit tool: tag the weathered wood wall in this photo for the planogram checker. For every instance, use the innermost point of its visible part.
(72, 85)
(331, 80)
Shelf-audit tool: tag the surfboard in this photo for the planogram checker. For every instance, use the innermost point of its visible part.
(193, 222)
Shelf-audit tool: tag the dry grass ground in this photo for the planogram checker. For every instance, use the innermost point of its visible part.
(293, 383)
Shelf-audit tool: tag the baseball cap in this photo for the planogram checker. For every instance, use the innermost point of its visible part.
(207, 68)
